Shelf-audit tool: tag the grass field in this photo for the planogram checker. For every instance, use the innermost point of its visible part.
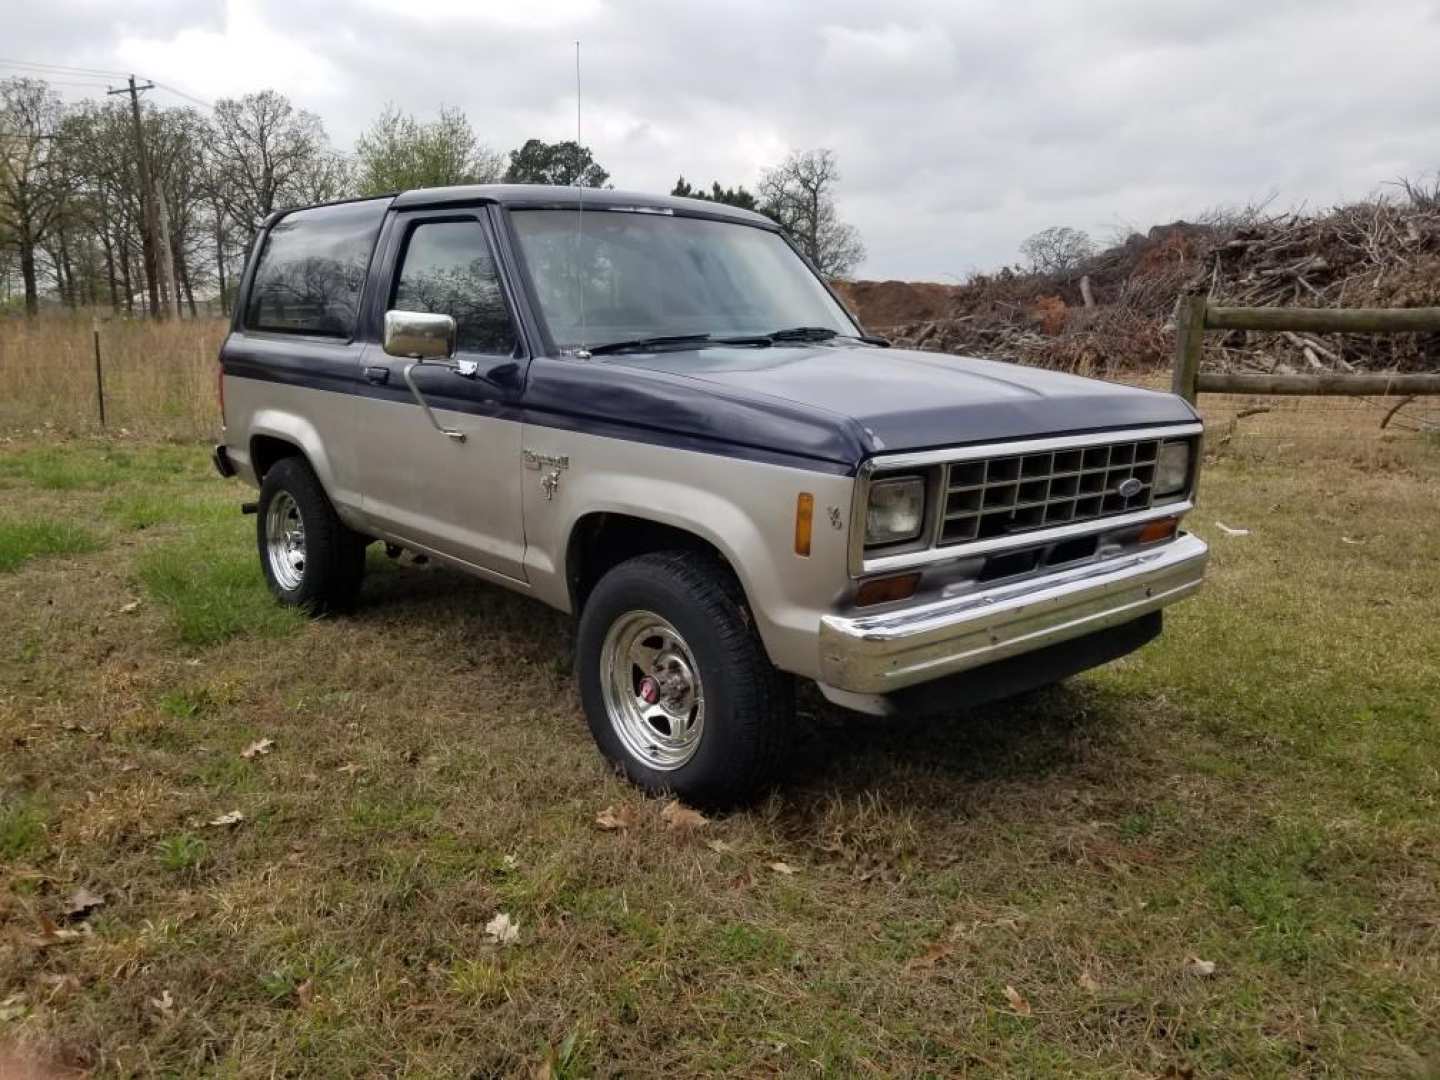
(1220, 856)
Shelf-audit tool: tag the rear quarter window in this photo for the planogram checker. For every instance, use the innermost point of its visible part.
(312, 268)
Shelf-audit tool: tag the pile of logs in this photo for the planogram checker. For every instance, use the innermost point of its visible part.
(1383, 253)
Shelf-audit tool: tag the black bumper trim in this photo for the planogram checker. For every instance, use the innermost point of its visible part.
(220, 458)
(1028, 671)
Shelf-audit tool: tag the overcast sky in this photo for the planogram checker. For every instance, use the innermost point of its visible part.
(961, 127)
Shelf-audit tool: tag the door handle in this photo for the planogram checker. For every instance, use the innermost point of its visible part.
(377, 375)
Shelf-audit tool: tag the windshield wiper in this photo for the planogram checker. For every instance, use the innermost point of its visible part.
(803, 333)
(794, 333)
(822, 333)
(646, 343)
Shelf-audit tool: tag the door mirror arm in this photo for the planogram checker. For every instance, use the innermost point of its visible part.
(407, 372)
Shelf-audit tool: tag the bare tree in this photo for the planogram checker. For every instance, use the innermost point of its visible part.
(400, 152)
(267, 155)
(799, 194)
(34, 185)
(1057, 250)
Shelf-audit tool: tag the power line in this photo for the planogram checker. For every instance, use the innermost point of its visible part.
(97, 84)
(6, 62)
(187, 96)
(47, 69)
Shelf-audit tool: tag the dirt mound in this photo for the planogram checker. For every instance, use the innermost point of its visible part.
(881, 304)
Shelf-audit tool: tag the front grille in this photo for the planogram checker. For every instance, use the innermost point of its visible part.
(1005, 495)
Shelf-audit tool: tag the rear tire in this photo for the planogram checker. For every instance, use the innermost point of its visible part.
(311, 559)
(675, 682)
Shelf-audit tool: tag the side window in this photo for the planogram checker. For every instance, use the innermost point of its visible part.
(312, 270)
(448, 270)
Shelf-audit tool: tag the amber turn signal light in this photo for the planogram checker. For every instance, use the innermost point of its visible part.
(1155, 531)
(886, 589)
(804, 522)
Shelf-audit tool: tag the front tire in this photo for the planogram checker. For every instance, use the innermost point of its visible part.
(311, 559)
(675, 682)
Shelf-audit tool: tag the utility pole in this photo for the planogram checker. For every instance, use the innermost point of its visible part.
(159, 262)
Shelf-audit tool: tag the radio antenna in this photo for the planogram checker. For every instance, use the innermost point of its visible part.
(582, 352)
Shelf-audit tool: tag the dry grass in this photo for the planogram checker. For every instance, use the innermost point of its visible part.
(1258, 789)
(159, 377)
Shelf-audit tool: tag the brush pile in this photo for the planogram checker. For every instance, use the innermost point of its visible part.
(1381, 253)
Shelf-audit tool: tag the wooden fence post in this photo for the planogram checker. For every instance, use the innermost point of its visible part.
(1189, 340)
(99, 378)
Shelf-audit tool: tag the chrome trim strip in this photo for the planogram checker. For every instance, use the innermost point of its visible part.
(932, 552)
(878, 654)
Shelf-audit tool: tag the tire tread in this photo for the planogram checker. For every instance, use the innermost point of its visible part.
(334, 553)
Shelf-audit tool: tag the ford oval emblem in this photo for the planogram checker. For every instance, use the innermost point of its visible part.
(1129, 487)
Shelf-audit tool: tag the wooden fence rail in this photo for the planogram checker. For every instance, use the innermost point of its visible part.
(1196, 315)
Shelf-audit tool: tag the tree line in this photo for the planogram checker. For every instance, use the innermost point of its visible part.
(125, 203)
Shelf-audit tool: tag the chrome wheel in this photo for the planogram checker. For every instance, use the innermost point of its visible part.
(652, 690)
(285, 541)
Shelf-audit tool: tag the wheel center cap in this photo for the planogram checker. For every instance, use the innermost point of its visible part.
(649, 690)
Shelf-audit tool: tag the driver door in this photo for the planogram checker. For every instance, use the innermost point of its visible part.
(458, 498)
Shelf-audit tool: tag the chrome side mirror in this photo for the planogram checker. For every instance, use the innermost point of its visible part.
(419, 335)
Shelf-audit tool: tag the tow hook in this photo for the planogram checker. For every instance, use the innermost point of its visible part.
(249, 507)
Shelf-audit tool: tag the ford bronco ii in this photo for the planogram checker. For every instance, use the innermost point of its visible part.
(653, 413)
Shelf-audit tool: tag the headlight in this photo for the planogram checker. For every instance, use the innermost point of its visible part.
(896, 510)
(1173, 468)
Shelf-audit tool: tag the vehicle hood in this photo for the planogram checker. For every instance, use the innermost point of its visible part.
(901, 399)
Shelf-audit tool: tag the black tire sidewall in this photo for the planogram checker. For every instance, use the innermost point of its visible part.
(727, 756)
(334, 557)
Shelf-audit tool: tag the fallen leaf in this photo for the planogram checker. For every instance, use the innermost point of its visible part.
(783, 868)
(258, 748)
(1017, 1001)
(82, 902)
(1228, 531)
(1350, 540)
(681, 818)
(12, 1008)
(1087, 983)
(614, 818)
(164, 1003)
(929, 958)
(502, 930)
(50, 934)
(719, 846)
(350, 768)
(305, 993)
(509, 862)
(234, 817)
(1195, 966)
(133, 605)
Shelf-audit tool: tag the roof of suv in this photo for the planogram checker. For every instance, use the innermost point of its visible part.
(568, 198)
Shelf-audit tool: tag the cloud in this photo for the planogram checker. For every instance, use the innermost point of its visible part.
(244, 53)
(961, 126)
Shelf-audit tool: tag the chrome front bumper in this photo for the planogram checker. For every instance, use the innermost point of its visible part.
(882, 653)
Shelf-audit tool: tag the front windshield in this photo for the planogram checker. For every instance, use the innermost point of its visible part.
(652, 275)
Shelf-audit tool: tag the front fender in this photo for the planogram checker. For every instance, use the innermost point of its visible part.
(745, 509)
